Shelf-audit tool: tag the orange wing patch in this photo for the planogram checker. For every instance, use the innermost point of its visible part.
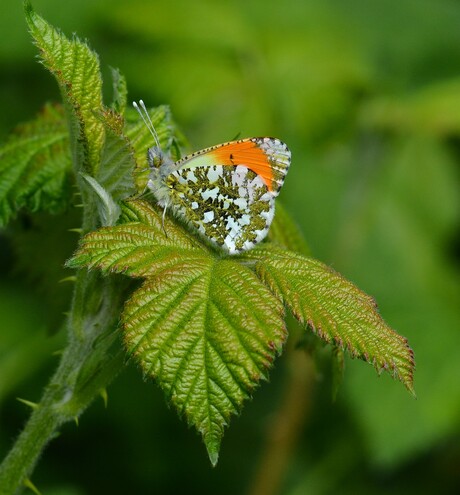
(249, 154)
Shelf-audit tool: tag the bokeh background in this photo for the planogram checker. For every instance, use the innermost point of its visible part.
(367, 96)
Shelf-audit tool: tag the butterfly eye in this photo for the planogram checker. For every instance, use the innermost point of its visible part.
(155, 157)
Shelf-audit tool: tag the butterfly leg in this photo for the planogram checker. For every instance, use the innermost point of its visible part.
(163, 220)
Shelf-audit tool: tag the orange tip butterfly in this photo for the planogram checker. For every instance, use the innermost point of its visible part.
(226, 192)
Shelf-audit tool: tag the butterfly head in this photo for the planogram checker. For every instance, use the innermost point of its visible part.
(156, 157)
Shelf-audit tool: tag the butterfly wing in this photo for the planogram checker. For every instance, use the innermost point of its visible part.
(227, 192)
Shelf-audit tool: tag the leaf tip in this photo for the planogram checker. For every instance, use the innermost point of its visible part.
(78, 260)
(212, 443)
(213, 457)
(405, 373)
(411, 389)
(408, 381)
(27, 7)
(71, 263)
(29, 13)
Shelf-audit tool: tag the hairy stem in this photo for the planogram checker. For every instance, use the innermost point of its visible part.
(39, 430)
(90, 361)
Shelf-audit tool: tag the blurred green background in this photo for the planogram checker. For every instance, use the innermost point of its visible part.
(367, 96)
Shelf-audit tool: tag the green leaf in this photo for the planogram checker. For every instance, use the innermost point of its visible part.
(207, 329)
(120, 91)
(100, 150)
(108, 210)
(141, 247)
(117, 162)
(204, 327)
(335, 309)
(35, 165)
(76, 69)
(208, 335)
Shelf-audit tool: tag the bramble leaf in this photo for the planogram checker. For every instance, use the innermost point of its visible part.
(120, 91)
(76, 69)
(115, 173)
(208, 335)
(207, 328)
(203, 326)
(100, 151)
(34, 166)
(139, 247)
(335, 309)
(108, 210)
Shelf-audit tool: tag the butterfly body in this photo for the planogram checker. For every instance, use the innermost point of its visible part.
(226, 192)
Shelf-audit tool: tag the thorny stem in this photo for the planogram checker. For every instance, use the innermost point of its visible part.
(86, 367)
(90, 361)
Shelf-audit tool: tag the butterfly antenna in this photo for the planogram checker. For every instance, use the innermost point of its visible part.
(142, 111)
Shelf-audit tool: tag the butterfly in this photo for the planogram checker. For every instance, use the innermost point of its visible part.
(226, 192)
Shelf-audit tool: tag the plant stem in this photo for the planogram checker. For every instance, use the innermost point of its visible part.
(284, 429)
(21, 459)
(90, 361)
